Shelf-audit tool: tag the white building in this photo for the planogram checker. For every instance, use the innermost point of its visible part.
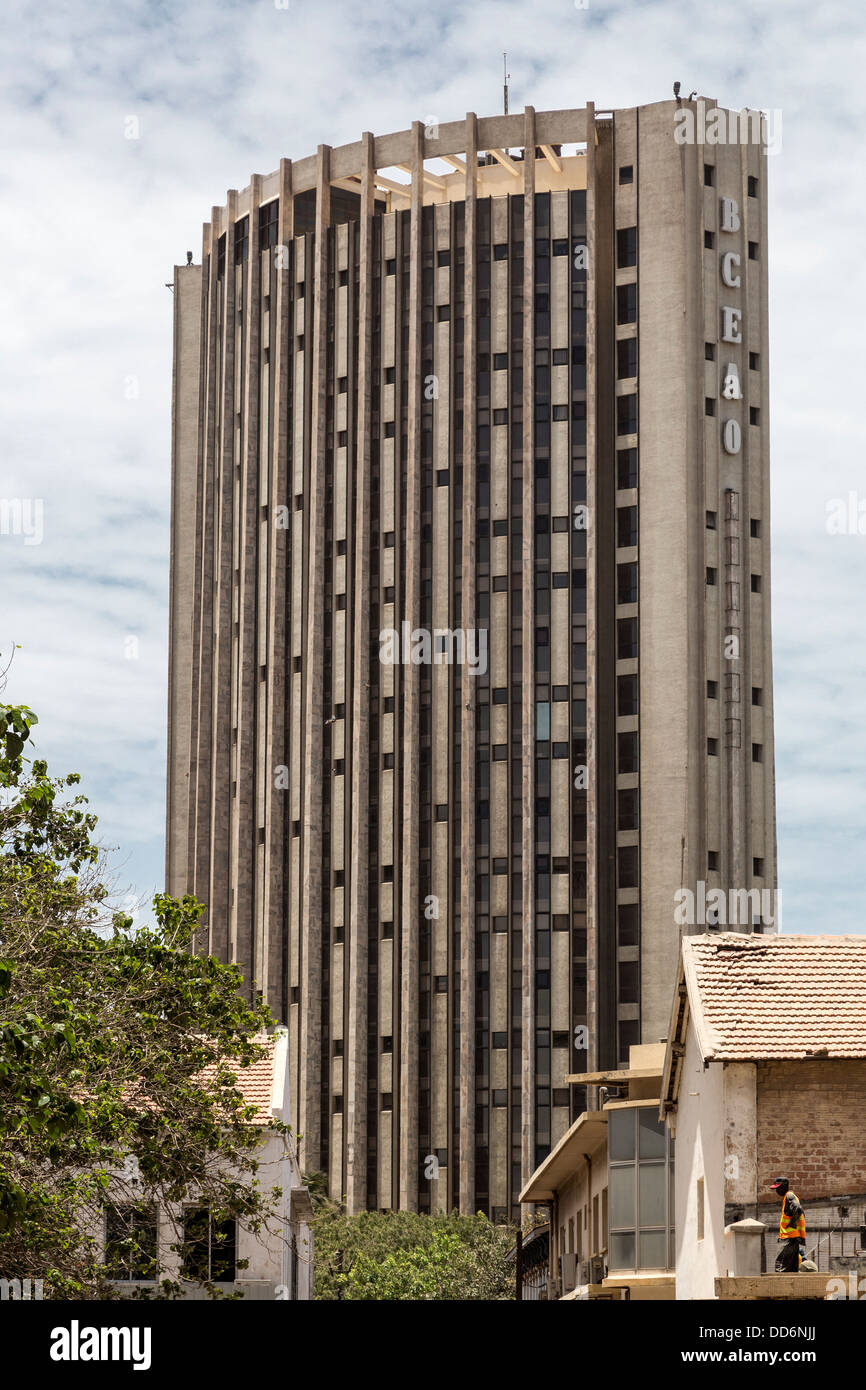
(765, 1075)
(279, 1262)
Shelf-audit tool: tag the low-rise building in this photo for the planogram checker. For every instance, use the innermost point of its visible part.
(608, 1186)
(765, 1075)
(274, 1264)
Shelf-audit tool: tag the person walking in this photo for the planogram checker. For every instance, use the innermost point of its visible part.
(792, 1229)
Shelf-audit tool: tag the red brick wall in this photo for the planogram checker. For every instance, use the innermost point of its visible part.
(812, 1127)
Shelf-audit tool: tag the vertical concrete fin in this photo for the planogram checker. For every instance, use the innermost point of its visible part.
(468, 587)
(528, 640)
(313, 888)
(358, 732)
(410, 900)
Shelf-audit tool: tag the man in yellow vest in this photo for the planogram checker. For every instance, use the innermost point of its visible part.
(792, 1229)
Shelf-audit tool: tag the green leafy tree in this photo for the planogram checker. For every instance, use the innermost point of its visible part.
(408, 1255)
(120, 1050)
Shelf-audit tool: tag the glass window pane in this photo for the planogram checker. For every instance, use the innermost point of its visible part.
(621, 1250)
(652, 1135)
(620, 1133)
(621, 1197)
(653, 1250)
(651, 1193)
(542, 720)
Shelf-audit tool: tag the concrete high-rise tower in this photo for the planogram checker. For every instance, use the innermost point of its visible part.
(470, 615)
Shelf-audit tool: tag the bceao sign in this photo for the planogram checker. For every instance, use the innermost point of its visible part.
(731, 276)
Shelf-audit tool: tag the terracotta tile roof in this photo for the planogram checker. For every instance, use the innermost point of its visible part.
(255, 1082)
(777, 996)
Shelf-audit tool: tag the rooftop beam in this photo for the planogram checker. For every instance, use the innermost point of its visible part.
(553, 159)
(435, 179)
(506, 161)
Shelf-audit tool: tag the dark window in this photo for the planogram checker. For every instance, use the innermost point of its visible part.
(626, 745)
(131, 1241)
(626, 526)
(709, 406)
(754, 415)
(758, 868)
(627, 818)
(757, 695)
(712, 690)
(209, 1248)
(757, 753)
(709, 241)
(754, 361)
(626, 414)
(756, 583)
(626, 358)
(710, 352)
(626, 247)
(626, 639)
(629, 981)
(709, 176)
(712, 860)
(626, 468)
(753, 251)
(753, 186)
(713, 747)
(627, 924)
(712, 518)
(626, 695)
(626, 583)
(711, 575)
(755, 528)
(626, 173)
(626, 304)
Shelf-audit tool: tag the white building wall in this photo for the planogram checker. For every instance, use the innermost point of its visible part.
(700, 1153)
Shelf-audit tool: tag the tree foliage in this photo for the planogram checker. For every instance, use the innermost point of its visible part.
(105, 1032)
(407, 1255)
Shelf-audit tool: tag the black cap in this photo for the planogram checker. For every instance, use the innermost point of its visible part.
(780, 1182)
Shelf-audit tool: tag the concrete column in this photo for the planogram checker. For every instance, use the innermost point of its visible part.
(185, 503)
(528, 638)
(355, 1081)
(246, 938)
(277, 813)
(466, 1063)
(410, 905)
(310, 1119)
(218, 896)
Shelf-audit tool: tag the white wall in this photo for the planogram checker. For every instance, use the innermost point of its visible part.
(700, 1153)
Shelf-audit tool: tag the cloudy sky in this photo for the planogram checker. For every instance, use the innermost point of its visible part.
(93, 222)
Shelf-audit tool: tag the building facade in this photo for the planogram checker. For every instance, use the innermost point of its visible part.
(470, 660)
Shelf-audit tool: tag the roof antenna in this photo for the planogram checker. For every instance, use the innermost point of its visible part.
(506, 75)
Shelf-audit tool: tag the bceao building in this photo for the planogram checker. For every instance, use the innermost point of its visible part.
(470, 662)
